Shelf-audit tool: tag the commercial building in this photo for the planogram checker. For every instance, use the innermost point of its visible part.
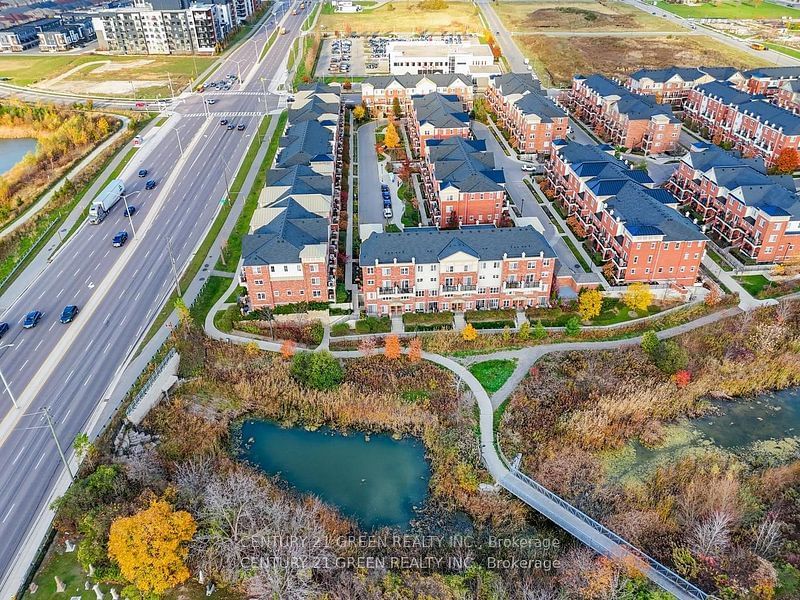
(436, 117)
(623, 118)
(532, 119)
(422, 57)
(461, 183)
(378, 93)
(633, 227)
(739, 204)
(427, 269)
(290, 252)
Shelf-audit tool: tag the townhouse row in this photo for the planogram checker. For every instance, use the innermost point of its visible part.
(290, 252)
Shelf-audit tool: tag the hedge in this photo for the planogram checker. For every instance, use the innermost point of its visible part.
(299, 307)
(432, 318)
(493, 324)
(374, 325)
(498, 314)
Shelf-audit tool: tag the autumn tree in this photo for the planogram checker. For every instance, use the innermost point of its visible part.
(397, 110)
(391, 346)
(638, 297)
(480, 111)
(149, 547)
(391, 137)
(287, 349)
(788, 161)
(359, 112)
(590, 303)
(415, 350)
(469, 333)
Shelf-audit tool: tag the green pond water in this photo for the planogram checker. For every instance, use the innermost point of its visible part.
(380, 482)
(764, 430)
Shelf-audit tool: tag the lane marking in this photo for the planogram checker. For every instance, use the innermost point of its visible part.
(37, 345)
(25, 364)
(18, 455)
(87, 380)
(64, 420)
(70, 375)
(9, 512)
(40, 461)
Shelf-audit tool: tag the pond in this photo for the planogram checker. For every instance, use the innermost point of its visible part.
(12, 151)
(380, 482)
(764, 430)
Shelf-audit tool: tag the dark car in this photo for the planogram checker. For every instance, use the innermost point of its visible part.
(3, 329)
(151, 183)
(31, 319)
(240, 126)
(130, 211)
(223, 121)
(231, 126)
(120, 239)
(69, 313)
(142, 172)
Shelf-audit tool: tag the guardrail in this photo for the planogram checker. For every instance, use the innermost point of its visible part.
(150, 381)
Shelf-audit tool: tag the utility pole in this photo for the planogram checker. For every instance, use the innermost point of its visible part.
(174, 268)
(178, 135)
(46, 413)
(264, 88)
(5, 383)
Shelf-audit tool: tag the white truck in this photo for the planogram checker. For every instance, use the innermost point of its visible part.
(105, 201)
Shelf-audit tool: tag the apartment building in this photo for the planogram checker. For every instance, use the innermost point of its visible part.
(290, 252)
(766, 80)
(739, 203)
(378, 93)
(667, 86)
(66, 36)
(788, 96)
(531, 118)
(623, 118)
(751, 124)
(427, 269)
(19, 38)
(632, 226)
(436, 116)
(461, 183)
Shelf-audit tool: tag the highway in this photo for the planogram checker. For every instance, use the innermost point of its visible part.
(120, 290)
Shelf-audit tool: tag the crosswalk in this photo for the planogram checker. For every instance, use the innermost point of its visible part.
(225, 114)
(215, 93)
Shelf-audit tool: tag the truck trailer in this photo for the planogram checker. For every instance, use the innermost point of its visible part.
(105, 201)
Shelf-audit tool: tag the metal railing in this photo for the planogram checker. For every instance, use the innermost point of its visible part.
(150, 381)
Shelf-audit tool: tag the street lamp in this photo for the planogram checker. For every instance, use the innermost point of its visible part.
(128, 210)
(264, 88)
(180, 146)
(239, 70)
(5, 383)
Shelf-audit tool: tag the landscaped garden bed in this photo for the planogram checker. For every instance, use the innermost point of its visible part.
(428, 321)
(614, 311)
(491, 319)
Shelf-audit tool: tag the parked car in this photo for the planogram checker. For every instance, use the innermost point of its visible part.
(3, 329)
(210, 101)
(120, 239)
(151, 183)
(69, 313)
(130, 211)
(142, 172)
(528, 166)
(31, 319)
(387, 212)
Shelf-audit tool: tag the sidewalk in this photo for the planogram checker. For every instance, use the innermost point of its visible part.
(746, 301)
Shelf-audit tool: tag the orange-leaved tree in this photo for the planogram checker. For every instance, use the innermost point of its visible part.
(788, 160)
(415, 350)
(391, 346)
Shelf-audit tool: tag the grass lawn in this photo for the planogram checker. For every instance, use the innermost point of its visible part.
(215, 286)
(612, 312)
(793, 52)
(718, 259)
(578, 256)
(405, 17)
(557, 59)
(730, 9)
(754, 284)
(492, 374)
(579, 15)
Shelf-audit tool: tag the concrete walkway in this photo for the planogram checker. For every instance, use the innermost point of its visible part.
(746, 301)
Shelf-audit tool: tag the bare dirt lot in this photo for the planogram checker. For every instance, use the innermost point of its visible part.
(405, 17)
(575, 15)
(557, 59)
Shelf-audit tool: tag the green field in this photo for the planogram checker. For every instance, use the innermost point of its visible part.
(730, 9)
(492, 374)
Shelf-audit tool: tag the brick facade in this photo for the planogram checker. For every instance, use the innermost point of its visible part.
(378, 93)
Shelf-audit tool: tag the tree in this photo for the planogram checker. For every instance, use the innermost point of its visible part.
(83, 446)
(397, 110)
(287, 349)
(149, 547)
(670, 358)
(265, 313)
(573, 326)
(524, 332)
(638, 297)
(415, 350)
(650, 342)
(391, 138)
(391, 347)
(184, 315)
(539, 332)
(788, 160)
(590, 303)
(359, 112)
(480, 111)
(469, 333)
(318, 370)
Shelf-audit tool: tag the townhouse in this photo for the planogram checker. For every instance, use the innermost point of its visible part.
(749, 123)
(633, 227)
(531, 118)
(436, 116)
(378, 93)
(428, 269)
(766, 80)
(290, 252)
(622, 117)
(667, 86)
(742, 206)
(461, 183)
(788, 96)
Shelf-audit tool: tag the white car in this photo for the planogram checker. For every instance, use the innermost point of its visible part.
(528, 166)
(387, 213)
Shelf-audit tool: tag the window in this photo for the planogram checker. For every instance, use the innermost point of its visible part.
(513, 266)
(370, 270)
(403, 270)
(315, 281)
(316, 293)
(259, 282)
(277, 293)
(370, 282)
(314, 268)
(419, 268)
(261, 296)
(256, 270)
(285, 268)
(288, 292)
(531, 264)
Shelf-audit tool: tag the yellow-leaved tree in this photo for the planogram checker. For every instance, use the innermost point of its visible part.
(469, 333)
(638, 297)
(150, 547)
(590, 303)
(391, 138)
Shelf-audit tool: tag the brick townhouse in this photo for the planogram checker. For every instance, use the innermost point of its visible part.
(378, 93)
(427, 269)
(766, 80)
(289, 253)
(635, 228)
(739, 203)
(788, 96)
(751, 124)
(668, 86)
(531, 118)
(461, 184)
(436, 116)
(622, 117)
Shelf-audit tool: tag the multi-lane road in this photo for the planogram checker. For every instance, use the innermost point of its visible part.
(120, 290)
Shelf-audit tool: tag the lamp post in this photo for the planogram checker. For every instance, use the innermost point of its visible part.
(180, 146)
(5, 383)
(264, 89)
(128, 209)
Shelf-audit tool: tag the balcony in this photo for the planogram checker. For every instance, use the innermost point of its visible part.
(520, 286)
(462, 288)
(395, 291)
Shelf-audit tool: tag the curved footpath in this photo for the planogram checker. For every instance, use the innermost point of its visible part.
(578, 524)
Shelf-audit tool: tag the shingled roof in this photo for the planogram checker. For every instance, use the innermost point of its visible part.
(465, 164)
(304, 143)
(441, 111)
(282, 240)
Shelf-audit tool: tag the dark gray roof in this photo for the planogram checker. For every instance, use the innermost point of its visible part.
(429, 244)
(635, 106)
(409, 81)
(775, 116)
(536, 104)
(465, 164)
(281, 240)
(313, 109)
(305, 142)
(704, 156)
(319, 88)
(440, 110)
(596, 161)
(724, 92)
(721, 73)
(663, 75)
(774, 73)
(516, 83)
(299, 179)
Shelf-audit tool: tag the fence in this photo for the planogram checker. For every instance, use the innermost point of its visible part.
(150, 380)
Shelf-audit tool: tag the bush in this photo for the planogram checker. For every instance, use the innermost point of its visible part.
(299, 307)
(670, 358)
(340, 329)
(317, 332)
(374, 325)
(492, 324)
(318, 370)
(573, 326)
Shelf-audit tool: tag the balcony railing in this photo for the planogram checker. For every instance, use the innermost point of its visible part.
(394, 291)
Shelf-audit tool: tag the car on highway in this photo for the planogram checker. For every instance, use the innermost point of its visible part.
(69, 313)
(120, 239)
(231, 127)
(210, 101)
(3, 329)
(223, 121)
(240, 127)
(31, 319)
(130, 211)
(151, 183)
(142, 172)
